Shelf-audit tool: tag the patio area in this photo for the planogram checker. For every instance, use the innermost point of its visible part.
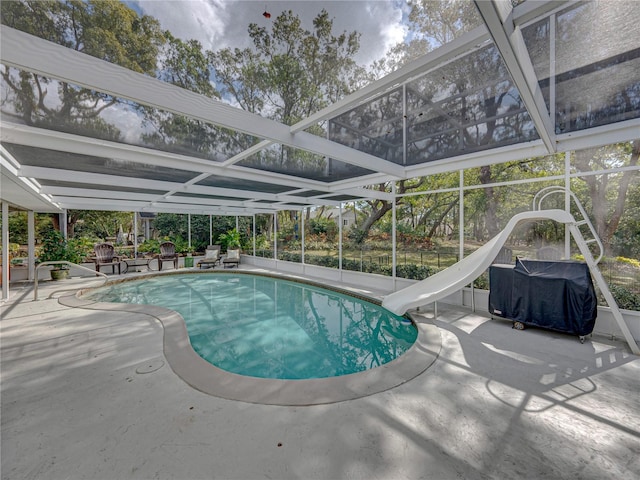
(88, 394)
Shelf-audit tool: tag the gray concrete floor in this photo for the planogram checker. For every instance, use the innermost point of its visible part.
(89, 395)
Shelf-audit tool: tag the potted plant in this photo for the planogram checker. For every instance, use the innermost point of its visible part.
(56, 248)
(230, 239)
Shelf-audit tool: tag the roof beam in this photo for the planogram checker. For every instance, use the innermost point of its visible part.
(206, 210)
(497, 15)
(83, 203)
(30, 53)
(67, 142)
(51, 173)
(459, 46)
(171, 188)
(82, 193)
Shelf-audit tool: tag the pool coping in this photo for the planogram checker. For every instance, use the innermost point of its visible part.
(209, 379)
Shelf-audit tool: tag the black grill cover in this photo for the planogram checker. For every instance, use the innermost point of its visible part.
(554, 295)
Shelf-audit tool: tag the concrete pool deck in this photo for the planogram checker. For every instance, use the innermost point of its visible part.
(88, 394)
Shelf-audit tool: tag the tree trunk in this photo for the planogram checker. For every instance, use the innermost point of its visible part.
(491, 217)
(606, 224)
(435, 226)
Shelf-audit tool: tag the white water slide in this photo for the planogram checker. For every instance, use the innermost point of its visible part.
(452, 279)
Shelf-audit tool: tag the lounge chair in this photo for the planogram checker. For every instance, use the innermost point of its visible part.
(106, 255)
(232, 258)
(167, 254)
(211, 257)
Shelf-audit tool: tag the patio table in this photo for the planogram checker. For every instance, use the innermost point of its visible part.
(137, 263)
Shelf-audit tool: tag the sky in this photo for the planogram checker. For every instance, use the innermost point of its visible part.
(224, 23)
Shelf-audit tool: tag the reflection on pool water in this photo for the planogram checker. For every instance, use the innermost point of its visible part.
(272, 328)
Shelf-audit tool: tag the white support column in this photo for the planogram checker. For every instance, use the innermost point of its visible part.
(31, 244)
(135, 234)
(552, 69)
(340, 238)
(404, 126)
(461, 217)
(211, 229)
(237, 224)
(275, 235)
(394, 242)
(567, 203)
(62, 219)
(5, 251)
(302, 215)
(189, 230)
(461, 234)
(254, 234)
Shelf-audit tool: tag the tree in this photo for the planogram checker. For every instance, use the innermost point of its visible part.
(98, 224)
(106, 29)
(185, 64)
(432, 23)
(468, 105)
(290, 72)
(607, 192)
(176, 226)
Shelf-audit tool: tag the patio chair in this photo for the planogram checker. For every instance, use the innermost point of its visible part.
(106, 255)
(211, 257)
(167, 254)
(232, 258)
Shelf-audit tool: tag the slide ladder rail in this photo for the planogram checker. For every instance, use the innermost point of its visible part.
(584, 220)
(603, 286)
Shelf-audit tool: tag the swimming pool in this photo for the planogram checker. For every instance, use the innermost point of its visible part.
(266, 327)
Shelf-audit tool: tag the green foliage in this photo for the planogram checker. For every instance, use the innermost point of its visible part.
(630, 261)
(97, 224)
(230, 239)
(262, 243)
(482, 282)
(149, 246)
(83, 246)
(182, 245)
(357, 235)
(18, 226)
(289, 72)
(56, 248)
(108, 30)
(14, 249)
(172, 226)
(323, 225)
(625, 298)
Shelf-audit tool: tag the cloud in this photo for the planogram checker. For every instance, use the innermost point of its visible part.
(224, 23)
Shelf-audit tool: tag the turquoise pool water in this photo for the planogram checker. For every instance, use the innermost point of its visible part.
(272, 328)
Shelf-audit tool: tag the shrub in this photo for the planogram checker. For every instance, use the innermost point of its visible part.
(230, 239)
(149, 246)
(56, 248)
(625, 298)
(631, 261)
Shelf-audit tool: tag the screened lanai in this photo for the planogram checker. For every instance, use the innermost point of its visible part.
(366, 170)
(529, 81)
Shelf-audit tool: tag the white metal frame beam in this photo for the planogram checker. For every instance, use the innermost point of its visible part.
(30, 53)
(498, 17)
(60, 141)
